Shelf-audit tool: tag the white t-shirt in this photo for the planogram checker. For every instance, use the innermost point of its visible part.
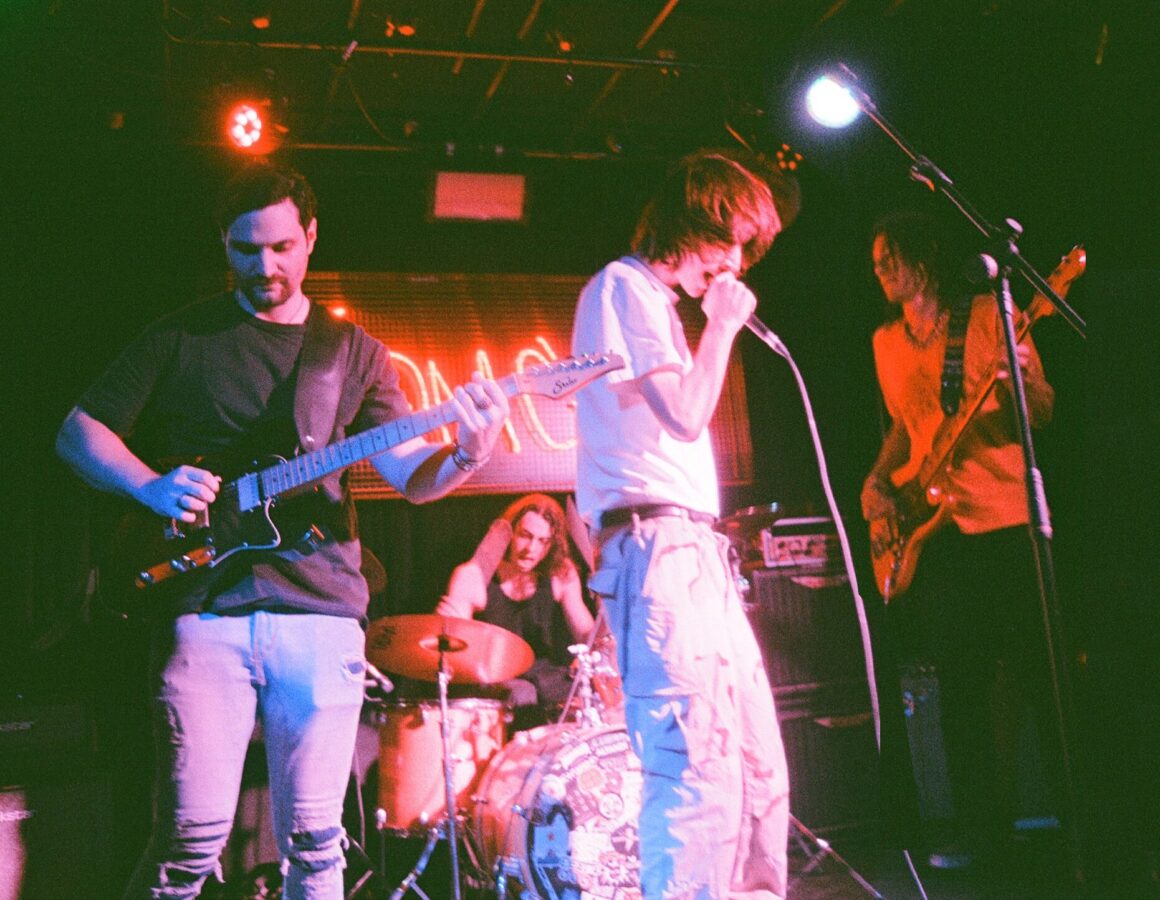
(625, 457)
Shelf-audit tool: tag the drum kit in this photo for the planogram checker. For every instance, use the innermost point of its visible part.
(552, 811)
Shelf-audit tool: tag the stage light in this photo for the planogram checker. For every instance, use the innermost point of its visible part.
(830, 103)
(251, 127)
(788, 159)
(244, 125)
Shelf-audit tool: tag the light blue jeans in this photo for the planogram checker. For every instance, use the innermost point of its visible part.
(301, 676)
(700, 713)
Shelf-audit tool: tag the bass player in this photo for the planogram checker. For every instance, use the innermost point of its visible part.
(972, 608)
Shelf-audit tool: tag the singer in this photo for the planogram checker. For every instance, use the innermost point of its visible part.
(715, 806)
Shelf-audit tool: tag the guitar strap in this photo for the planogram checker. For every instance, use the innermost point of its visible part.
(321, 375)
(951, 394)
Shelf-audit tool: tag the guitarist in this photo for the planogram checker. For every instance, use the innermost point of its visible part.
(972, 609)
(272, 636)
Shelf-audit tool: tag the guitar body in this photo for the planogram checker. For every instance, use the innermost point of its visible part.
(166, 547)
(273, 507)
(921, 508)
(896, 542)
(150, 550)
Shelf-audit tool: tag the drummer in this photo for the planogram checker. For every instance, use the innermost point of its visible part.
(522, 578)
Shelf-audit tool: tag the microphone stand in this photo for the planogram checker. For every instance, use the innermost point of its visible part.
(1002, 242)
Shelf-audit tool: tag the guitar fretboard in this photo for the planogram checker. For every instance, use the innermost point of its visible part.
(308, 467)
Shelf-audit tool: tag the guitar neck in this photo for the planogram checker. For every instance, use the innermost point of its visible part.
(953, 428)
(317, 464)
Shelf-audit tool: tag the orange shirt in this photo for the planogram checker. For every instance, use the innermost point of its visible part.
(985, 480)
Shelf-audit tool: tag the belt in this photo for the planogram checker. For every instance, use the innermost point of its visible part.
(622, 515)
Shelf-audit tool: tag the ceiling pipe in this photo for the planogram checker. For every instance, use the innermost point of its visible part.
(600, 62)
(501, 73)
(471, 26)
(434, 150)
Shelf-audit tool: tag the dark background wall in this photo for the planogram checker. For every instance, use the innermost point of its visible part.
(105, 229)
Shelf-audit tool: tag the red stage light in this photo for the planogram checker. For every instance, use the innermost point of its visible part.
(244, 125)
(251, 128)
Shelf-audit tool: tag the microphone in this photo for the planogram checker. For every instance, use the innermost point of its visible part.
(981, 269)
(763, 331)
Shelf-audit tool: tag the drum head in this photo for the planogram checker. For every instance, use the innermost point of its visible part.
(558, 810)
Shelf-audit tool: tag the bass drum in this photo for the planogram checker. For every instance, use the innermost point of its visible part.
(557, 811)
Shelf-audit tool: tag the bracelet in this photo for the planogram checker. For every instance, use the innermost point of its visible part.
(465, 463)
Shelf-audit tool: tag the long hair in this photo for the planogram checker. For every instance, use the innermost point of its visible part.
(704, 200)
(555, 562)
(919, 239)
(260, 185)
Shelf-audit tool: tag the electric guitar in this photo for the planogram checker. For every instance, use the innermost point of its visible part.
(921, 505)
(241, 518)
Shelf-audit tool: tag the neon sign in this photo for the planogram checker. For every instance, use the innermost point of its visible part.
(434, 389)
(440, 328)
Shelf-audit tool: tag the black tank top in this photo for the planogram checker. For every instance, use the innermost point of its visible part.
(539, 620)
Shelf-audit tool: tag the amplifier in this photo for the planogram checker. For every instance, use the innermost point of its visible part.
(59, 838)
(799, 542)
(828, 733)
(33, 729)
(39, 740)
(806, 624)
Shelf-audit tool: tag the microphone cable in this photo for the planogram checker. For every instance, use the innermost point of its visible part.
(778, 346)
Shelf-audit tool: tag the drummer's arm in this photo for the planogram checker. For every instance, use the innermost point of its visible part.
(466, 593)
(566, 589)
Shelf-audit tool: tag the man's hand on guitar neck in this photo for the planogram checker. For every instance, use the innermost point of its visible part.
(1022, 354)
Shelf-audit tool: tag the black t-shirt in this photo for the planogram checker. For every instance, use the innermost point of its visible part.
(211, 382)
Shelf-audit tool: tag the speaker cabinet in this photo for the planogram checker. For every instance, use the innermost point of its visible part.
(57, 838)
(806, 624)
(829, 746)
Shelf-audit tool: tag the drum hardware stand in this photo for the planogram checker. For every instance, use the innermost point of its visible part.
(586, 657)
(434, 835)
(408, 883)
(445, 645)
(799, 833)
(451, 813)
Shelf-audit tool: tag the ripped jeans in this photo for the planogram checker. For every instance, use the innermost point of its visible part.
(302, 676)
(700, 713)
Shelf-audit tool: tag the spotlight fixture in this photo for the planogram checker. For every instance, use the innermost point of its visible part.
(830, 103)
(252, 112)
(252, 127)
(788, 159)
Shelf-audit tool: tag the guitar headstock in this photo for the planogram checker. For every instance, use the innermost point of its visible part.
(1068, 270)
(561, 377)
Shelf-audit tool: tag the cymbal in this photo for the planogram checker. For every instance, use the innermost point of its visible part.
(474, 652)
(746, 522)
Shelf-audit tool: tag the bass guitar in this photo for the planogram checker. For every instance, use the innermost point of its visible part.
(241, 519)
(921, 505)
